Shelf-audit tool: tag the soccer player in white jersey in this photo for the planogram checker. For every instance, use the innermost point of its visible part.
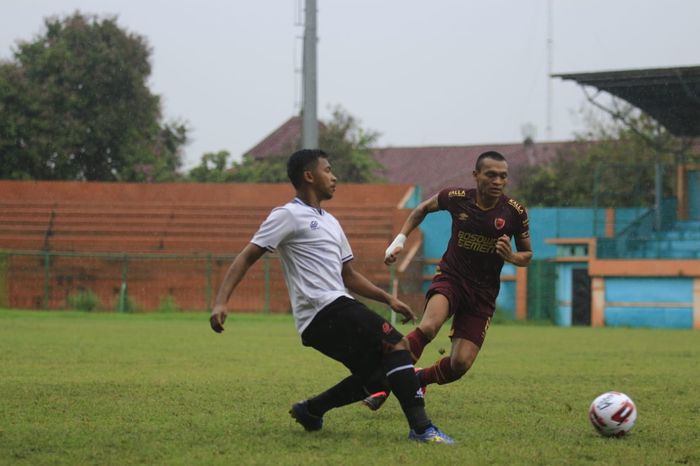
(317, 262)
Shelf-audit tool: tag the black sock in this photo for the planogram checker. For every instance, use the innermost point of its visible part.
(348, 390)
(404, 383)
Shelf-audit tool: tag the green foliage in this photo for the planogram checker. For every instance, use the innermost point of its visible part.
(269, 170)
(85, 300)
(168, 304)
(75, 105)
(211, 168)
(348, 145)
(613, 166)
(350, 148)
(130, 305)
(4, 267)
(133, 389)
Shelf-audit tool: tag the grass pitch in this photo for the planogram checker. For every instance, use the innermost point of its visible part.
(78, 388)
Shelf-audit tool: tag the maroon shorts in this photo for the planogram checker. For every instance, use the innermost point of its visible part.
(471, 308)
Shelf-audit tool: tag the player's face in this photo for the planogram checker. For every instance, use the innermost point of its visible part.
(324, 179)
(491, 178)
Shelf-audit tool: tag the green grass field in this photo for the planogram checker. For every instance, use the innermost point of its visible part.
(95, 388)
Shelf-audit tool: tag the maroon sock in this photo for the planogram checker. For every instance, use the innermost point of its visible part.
(440, 373)
(418, 341)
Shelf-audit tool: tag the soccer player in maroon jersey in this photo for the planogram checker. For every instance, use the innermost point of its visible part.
(467, 280)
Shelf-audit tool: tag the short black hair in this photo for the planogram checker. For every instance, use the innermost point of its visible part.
(489, 154)
(300, 161)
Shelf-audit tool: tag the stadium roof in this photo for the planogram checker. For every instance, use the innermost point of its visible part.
(669, 95)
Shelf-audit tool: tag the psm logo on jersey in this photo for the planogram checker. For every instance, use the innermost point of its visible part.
(314, 225)
(499, 223)
(386, 328)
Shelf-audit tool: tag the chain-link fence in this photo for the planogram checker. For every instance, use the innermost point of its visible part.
(147, 282)
(541, 292)
(170, 282)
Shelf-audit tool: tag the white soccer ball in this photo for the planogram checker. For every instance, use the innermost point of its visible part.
(613, 414)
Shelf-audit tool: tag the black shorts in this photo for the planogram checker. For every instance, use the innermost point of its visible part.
(349, 332)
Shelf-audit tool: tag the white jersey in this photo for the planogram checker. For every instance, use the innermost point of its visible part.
(313, 248)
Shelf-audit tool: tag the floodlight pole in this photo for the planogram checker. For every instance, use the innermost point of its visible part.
(309, 138)
(550, 53)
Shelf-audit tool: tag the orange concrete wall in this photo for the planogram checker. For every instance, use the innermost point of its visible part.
(168, 218)
(190, 193)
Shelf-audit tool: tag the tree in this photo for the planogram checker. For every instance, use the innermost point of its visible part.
(349, 147)
(211, 168)
(74, 104)
(613, 166)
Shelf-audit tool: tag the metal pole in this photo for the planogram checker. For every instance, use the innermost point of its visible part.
(209, 281)
(47, 266)
(658, 188)
(309, 113)
(123, 290)
(266, 267)
(596, 187)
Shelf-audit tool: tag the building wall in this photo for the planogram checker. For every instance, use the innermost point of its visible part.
(649, 302)
(647, 293)
(694, 194)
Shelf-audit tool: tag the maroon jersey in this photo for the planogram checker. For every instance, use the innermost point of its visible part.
(471, 252)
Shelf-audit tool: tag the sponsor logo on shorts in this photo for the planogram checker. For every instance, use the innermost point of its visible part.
(499, 223)
(386, 328)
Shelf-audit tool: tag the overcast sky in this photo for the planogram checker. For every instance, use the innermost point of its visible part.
(438, 72)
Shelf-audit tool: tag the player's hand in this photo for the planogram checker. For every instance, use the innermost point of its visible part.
(393, 255)
(402, 308)
(503, 248)
(217, 318)
(394, 249)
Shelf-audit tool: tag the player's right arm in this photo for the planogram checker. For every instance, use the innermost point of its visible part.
(414, 219)
(235, 273)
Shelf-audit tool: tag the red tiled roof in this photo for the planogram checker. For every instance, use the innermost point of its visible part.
(435, 167)
(282, 141)
(279, 141)
(431, 167)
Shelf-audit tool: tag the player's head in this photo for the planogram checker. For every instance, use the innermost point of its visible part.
(310, 167)
(301, 161)
(490, 175)
(490, 154)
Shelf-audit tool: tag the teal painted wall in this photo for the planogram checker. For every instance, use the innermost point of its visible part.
(582, 223)
(673, 294)
(694, 195)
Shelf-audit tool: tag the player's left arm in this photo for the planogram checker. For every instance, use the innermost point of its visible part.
(522, 256)
(359, 284)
